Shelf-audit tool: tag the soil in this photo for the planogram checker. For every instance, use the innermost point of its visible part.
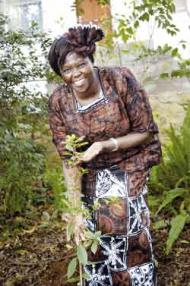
(39, 258)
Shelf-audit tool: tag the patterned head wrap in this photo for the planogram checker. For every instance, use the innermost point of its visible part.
(81, 39)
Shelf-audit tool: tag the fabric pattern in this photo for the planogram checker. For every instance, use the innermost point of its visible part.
(125, 250)
(114, 188)
(125, 108)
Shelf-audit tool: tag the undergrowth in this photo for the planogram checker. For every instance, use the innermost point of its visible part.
(170, 182)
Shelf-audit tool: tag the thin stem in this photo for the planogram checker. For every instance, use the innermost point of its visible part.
(80, 273)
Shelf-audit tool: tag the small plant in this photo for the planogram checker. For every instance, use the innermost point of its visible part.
(71, 211)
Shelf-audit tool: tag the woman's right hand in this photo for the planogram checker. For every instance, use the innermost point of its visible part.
(95, 149)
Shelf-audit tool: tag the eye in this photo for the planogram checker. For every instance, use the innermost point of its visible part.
(66, 70)
(81, 64)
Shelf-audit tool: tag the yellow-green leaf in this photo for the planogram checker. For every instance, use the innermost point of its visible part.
(71, 267)
(177, 225)
(82, 254)
(170, 196)
(94, 246)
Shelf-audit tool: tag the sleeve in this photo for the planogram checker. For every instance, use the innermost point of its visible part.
(57, 126)
(137, 105)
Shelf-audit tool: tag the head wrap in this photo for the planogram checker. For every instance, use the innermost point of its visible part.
(81, 39)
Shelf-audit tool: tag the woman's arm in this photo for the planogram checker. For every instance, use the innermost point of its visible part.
(128, 141)
(139, 112)
(122, 143)
(71, 175)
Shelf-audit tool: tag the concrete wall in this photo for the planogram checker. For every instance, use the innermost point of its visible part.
(58, 15)
(51, 15)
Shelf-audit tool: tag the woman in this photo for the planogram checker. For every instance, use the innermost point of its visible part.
(108, 107)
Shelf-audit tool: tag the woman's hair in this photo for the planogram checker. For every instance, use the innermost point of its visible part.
(80, 40)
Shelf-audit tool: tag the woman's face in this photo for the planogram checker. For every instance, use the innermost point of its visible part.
(78, 72)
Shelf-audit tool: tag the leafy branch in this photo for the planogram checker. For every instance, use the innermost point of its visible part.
(90, 240)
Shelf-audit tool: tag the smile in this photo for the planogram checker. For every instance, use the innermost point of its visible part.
(79, 82)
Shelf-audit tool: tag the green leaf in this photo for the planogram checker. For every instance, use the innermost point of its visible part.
(82, 254)
(144, 17)
(94, 246)
(177, 225)
(170, 196)
(70, 230)
(86, 276)
(175, 52)
(74, 279)
(98, 234)
(136, 24)
(184, 241)
(72, 267)
(160, 224)
(164, 75)
(177, 73)
(129, 30)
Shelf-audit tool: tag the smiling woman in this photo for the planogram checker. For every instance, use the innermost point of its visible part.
(109, 109)
(79, 73)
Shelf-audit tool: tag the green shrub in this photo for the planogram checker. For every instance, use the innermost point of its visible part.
(22, 164)
(23, 115)
(53, 178)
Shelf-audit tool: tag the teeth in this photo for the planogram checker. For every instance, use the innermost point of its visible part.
(79, 82)
(79, 79)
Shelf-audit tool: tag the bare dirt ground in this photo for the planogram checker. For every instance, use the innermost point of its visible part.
(39, 258)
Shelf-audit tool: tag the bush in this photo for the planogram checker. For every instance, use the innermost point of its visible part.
(23, 114)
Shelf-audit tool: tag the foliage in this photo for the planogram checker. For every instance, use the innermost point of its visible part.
(171, 180)
(23, 115)
(160, 15)
(174, 171)
(53, 179)
(160, 12)
(72, 144)
(177, 225)
(22, 160)
(89, 240)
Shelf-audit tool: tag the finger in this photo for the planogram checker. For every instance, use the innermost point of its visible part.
(85, 159)
(88, 157)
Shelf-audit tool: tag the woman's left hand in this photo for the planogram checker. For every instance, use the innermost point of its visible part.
(94, 150)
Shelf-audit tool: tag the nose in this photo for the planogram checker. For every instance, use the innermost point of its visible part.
(76, 72)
